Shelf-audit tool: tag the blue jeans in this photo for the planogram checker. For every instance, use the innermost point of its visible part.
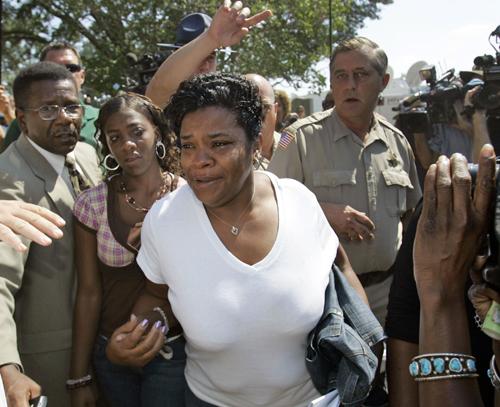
(193, 401)
(160, 383)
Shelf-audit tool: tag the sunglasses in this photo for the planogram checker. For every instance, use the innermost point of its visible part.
(73, 67)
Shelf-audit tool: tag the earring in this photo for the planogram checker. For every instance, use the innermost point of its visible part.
(161, 151)
(109, 167)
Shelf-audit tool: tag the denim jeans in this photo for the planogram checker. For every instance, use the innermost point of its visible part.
(193, 401)
(160, 383)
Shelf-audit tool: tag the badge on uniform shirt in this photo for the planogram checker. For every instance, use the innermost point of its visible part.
(393, 159)
(285, 140)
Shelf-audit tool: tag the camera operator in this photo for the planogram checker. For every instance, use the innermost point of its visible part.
(465, 133)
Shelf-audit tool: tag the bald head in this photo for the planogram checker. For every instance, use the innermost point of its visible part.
(266, 93)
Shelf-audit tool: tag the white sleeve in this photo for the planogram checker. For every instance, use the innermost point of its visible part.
(148, 259)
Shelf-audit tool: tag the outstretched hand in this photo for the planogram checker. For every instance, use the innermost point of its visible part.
(452, 224)
(31, 221)
(232, 22)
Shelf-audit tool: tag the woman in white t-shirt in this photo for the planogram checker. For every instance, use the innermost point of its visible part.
(245, 256)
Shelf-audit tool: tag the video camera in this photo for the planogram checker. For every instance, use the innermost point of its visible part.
(437, 100)
(488, 97)
(189, 28)
(145, 67)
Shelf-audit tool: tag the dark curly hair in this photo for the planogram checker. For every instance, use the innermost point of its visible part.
(232, 92)
(145, 106)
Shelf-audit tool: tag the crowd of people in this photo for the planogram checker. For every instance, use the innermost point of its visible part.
(202, 246)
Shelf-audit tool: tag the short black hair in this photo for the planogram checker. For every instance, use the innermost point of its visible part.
(232, 92)
(41, 71)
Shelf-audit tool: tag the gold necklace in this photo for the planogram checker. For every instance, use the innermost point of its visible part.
(235, 229)
(130, 200)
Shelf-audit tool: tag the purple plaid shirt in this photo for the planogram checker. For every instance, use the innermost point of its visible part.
(91, 209)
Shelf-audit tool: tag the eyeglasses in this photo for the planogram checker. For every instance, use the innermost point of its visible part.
(50, 112)
(73, 67)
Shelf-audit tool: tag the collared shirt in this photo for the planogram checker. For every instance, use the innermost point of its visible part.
(55, 160)
(377, 177)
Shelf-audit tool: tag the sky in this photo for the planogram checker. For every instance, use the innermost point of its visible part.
(445, 33)
(448, 34)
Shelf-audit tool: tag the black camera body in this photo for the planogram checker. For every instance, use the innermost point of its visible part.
(488, 98)
(143, 69)
(436, 102)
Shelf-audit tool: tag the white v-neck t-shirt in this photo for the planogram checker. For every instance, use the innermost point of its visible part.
(245, 325)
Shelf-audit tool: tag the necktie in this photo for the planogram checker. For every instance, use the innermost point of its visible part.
(77, 179)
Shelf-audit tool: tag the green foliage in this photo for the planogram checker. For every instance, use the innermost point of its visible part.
(287, 46)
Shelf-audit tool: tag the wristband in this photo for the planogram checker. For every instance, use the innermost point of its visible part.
(72, 384)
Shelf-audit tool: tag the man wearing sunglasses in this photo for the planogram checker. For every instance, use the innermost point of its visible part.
(63, 53)
(46, 166)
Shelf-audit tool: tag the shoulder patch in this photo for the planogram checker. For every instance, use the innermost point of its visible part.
(314, 118)
(384, 122)
(285, 140)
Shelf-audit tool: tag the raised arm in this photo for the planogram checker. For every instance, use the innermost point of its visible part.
(229, 25)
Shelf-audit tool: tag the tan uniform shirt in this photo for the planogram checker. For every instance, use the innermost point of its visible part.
(377, 177)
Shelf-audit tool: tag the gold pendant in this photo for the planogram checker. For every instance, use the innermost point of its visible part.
(235, 230)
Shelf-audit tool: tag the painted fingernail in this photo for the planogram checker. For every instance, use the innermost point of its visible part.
(144, 323)
(157, 324)
(164, 329)
(133, 317)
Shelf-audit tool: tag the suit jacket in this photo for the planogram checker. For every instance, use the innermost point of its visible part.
(37, 287)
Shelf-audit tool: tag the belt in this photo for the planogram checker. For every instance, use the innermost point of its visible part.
(375, 277)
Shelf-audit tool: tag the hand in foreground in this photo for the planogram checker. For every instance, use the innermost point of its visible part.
(19, 388)
(452, 224)
(347, 222)
(31, 221)
(232, 22)
(130, 344)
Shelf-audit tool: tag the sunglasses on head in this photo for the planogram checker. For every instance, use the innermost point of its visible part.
(73, 67)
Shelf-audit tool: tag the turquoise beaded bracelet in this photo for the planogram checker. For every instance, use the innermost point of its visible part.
(440, 366)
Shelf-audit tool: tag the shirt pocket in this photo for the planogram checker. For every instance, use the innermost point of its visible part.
(396, 181)
(332, 185)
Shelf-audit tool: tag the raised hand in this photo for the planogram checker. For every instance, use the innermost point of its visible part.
(232, 22)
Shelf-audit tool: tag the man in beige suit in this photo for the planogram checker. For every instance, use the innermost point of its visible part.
(37, 285)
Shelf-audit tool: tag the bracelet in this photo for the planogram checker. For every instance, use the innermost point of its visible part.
(493, 374)
(440, 366)
(164, 317)
(72, 384)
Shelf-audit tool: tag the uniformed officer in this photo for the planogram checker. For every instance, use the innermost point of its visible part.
(360, 167)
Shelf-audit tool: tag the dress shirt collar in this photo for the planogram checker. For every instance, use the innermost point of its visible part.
(55, 160)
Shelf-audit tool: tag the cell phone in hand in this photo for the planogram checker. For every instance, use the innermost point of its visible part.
(38, 402)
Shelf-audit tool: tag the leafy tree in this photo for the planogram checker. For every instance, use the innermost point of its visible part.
(287, 46)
